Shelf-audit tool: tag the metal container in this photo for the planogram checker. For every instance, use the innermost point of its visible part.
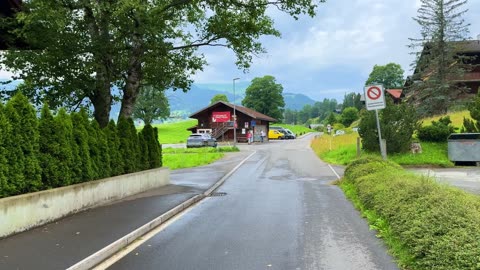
(464, 147)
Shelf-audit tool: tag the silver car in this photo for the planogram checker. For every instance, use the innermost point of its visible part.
(201, 140)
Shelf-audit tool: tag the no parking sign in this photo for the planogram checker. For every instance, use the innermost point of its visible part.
(374, 97)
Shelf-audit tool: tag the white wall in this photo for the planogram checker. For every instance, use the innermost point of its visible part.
(19, 213)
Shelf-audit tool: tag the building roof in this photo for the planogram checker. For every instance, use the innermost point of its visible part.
(252, 113)
(396, 93)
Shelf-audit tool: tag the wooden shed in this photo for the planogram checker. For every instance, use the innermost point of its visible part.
(218, 120)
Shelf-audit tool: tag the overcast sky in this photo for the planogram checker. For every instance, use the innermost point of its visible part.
(333, 53)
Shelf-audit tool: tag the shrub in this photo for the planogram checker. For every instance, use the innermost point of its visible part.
(438, 131)
(6, 187)
(349, 115)
(397, 124)
(23, 145)
(116, 161)
(84, 169)
(100, 154)
(69, 146)
(473, 125)
(436, 226)
(54, 157)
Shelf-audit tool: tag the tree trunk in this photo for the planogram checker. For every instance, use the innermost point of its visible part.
(134, 76)
(132, 85)
(102, 103)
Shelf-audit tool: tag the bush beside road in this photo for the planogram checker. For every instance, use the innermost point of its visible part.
(426, 225)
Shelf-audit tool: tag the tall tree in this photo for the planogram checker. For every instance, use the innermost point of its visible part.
(265, 96)
(90, 46)
(6, 187)
(23, 146)
(219, 97)
(437, 61)
(152, 104)
(53, 156)
(390, 76)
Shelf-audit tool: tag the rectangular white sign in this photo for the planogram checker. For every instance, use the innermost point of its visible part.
(374, 97)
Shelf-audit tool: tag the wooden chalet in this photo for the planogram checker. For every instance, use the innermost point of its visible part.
(470, 80)
(218, 120)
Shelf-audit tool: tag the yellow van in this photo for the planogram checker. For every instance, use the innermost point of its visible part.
(275, 134)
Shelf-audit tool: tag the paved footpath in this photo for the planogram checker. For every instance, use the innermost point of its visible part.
(63, 243)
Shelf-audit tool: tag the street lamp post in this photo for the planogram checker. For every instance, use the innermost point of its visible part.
(234, 115)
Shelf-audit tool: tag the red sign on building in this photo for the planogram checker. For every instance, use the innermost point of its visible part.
(218, 117)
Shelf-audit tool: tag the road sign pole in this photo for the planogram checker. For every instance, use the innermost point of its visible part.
(382, 146)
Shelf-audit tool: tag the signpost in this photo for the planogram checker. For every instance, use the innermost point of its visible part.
(375, 100)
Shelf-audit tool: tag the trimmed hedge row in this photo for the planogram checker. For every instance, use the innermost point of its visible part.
(437, 226)
(54, 151)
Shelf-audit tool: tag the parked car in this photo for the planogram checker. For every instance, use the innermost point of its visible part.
(289, 134)
(286, 133)
(275, 134)
(201, 140)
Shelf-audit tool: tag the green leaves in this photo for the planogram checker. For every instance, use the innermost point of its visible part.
(265, 96)
(390, 76)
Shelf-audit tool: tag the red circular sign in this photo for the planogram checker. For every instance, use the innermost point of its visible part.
(374, 93)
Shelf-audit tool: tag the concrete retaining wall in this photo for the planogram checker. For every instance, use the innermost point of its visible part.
(19, 213)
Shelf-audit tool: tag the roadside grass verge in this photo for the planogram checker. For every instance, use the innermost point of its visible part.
(426, 225)
(342, 150)
(178, 158)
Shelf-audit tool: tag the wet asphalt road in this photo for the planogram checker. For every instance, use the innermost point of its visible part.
(280, 212)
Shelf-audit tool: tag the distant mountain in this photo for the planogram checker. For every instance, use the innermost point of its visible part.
(199, 97)
(296, 101)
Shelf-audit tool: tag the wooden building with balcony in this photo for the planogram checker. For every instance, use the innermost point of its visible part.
(218, 120)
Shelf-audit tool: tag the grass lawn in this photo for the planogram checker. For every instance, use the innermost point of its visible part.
(342, 150)
(175, 132)
(455, 117)
(177, 158)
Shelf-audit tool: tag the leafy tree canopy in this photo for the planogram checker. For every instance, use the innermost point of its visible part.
(91, 46)
(265, 96)
(151, 105)
(219, 97)
(390, 76)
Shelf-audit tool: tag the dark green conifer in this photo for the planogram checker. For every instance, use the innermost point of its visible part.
(81, 138)
(126, 146)
(67, 154)
(52, 169)
(24, 145)
(6, 189)
(159, 162)
(102, 156)
(116, 161)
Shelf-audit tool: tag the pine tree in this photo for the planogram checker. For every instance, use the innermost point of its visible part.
(24, 146)
(438, 61)
(85, 170)
(67, 152)
(52, 171)
(128, 146)
(116, 161)
(158, 148)
(102, 156)
(6, 189)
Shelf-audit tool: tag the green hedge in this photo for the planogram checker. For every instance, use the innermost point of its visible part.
(59, 150)
(435, 226)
